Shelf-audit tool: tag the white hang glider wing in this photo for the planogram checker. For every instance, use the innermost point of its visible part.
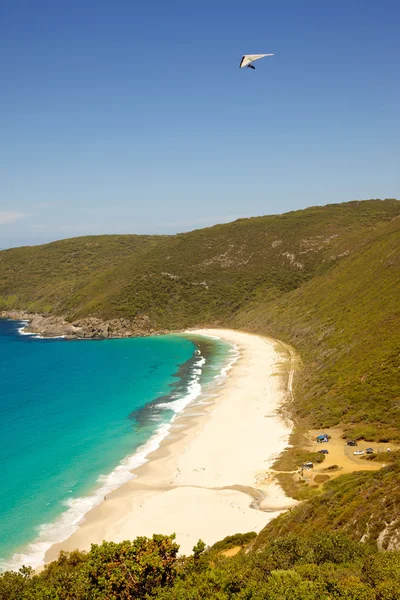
(247, 59)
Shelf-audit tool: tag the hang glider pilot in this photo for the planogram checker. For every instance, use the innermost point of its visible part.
(248, 59)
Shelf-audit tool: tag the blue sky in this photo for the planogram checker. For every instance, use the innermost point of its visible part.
(130, 117)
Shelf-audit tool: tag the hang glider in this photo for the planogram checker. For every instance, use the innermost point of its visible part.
(247, 59)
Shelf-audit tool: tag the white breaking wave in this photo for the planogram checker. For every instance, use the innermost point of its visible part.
(234, 357)
(21, 331)
(76, 508)
(194, 390)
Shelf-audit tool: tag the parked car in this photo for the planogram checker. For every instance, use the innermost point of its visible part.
(352, 443)
(369, 451)
(358, 452)
(323, 451)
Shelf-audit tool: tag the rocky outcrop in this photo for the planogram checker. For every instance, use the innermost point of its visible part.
(86, 328)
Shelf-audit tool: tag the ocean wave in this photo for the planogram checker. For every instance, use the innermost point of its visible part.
(38, 336)
(194, 389)
(21, 330)
(76, 508)
(234, 356)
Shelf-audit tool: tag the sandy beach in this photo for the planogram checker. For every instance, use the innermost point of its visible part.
(208, 477)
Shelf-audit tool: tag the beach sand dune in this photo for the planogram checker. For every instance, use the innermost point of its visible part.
(207, 479)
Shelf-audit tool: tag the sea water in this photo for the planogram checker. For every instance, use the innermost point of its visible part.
(77, 416)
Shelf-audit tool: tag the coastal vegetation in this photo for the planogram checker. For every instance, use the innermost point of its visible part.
(292, 567)
(363, 505)
(346, 325)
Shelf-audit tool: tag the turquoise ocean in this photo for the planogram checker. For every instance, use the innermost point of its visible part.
(78, 416)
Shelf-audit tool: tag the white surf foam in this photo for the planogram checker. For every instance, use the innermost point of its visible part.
(234, 356)
(21, 331)
(193, 391)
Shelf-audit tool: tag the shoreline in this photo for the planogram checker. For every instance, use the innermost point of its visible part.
(205, 479)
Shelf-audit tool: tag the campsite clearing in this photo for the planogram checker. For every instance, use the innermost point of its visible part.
(342, 456)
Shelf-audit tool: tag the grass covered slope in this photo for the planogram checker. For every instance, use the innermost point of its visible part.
(365, 506)
(346, 325)
(42, 278)
(204, 276)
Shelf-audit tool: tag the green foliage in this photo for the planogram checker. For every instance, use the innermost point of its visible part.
(232, 541)
(110, 571)
(132, 568)
(291, 567)
(12, 585)
(346, 325)
(381, 567)
(363, 505)
(62, 579)
(43, 276)
(296, 567)
(296, 487)
(289, 584)
(292, 458)
(198, 549)
(321, 478)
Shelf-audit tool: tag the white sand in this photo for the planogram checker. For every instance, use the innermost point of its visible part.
(229, 444)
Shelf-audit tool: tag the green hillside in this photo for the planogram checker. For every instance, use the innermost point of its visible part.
(187, 279)
(346, 325)
(325, 279)
(363, 506)
(40, 277)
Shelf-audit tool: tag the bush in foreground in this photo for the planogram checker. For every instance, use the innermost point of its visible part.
(292, 567)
